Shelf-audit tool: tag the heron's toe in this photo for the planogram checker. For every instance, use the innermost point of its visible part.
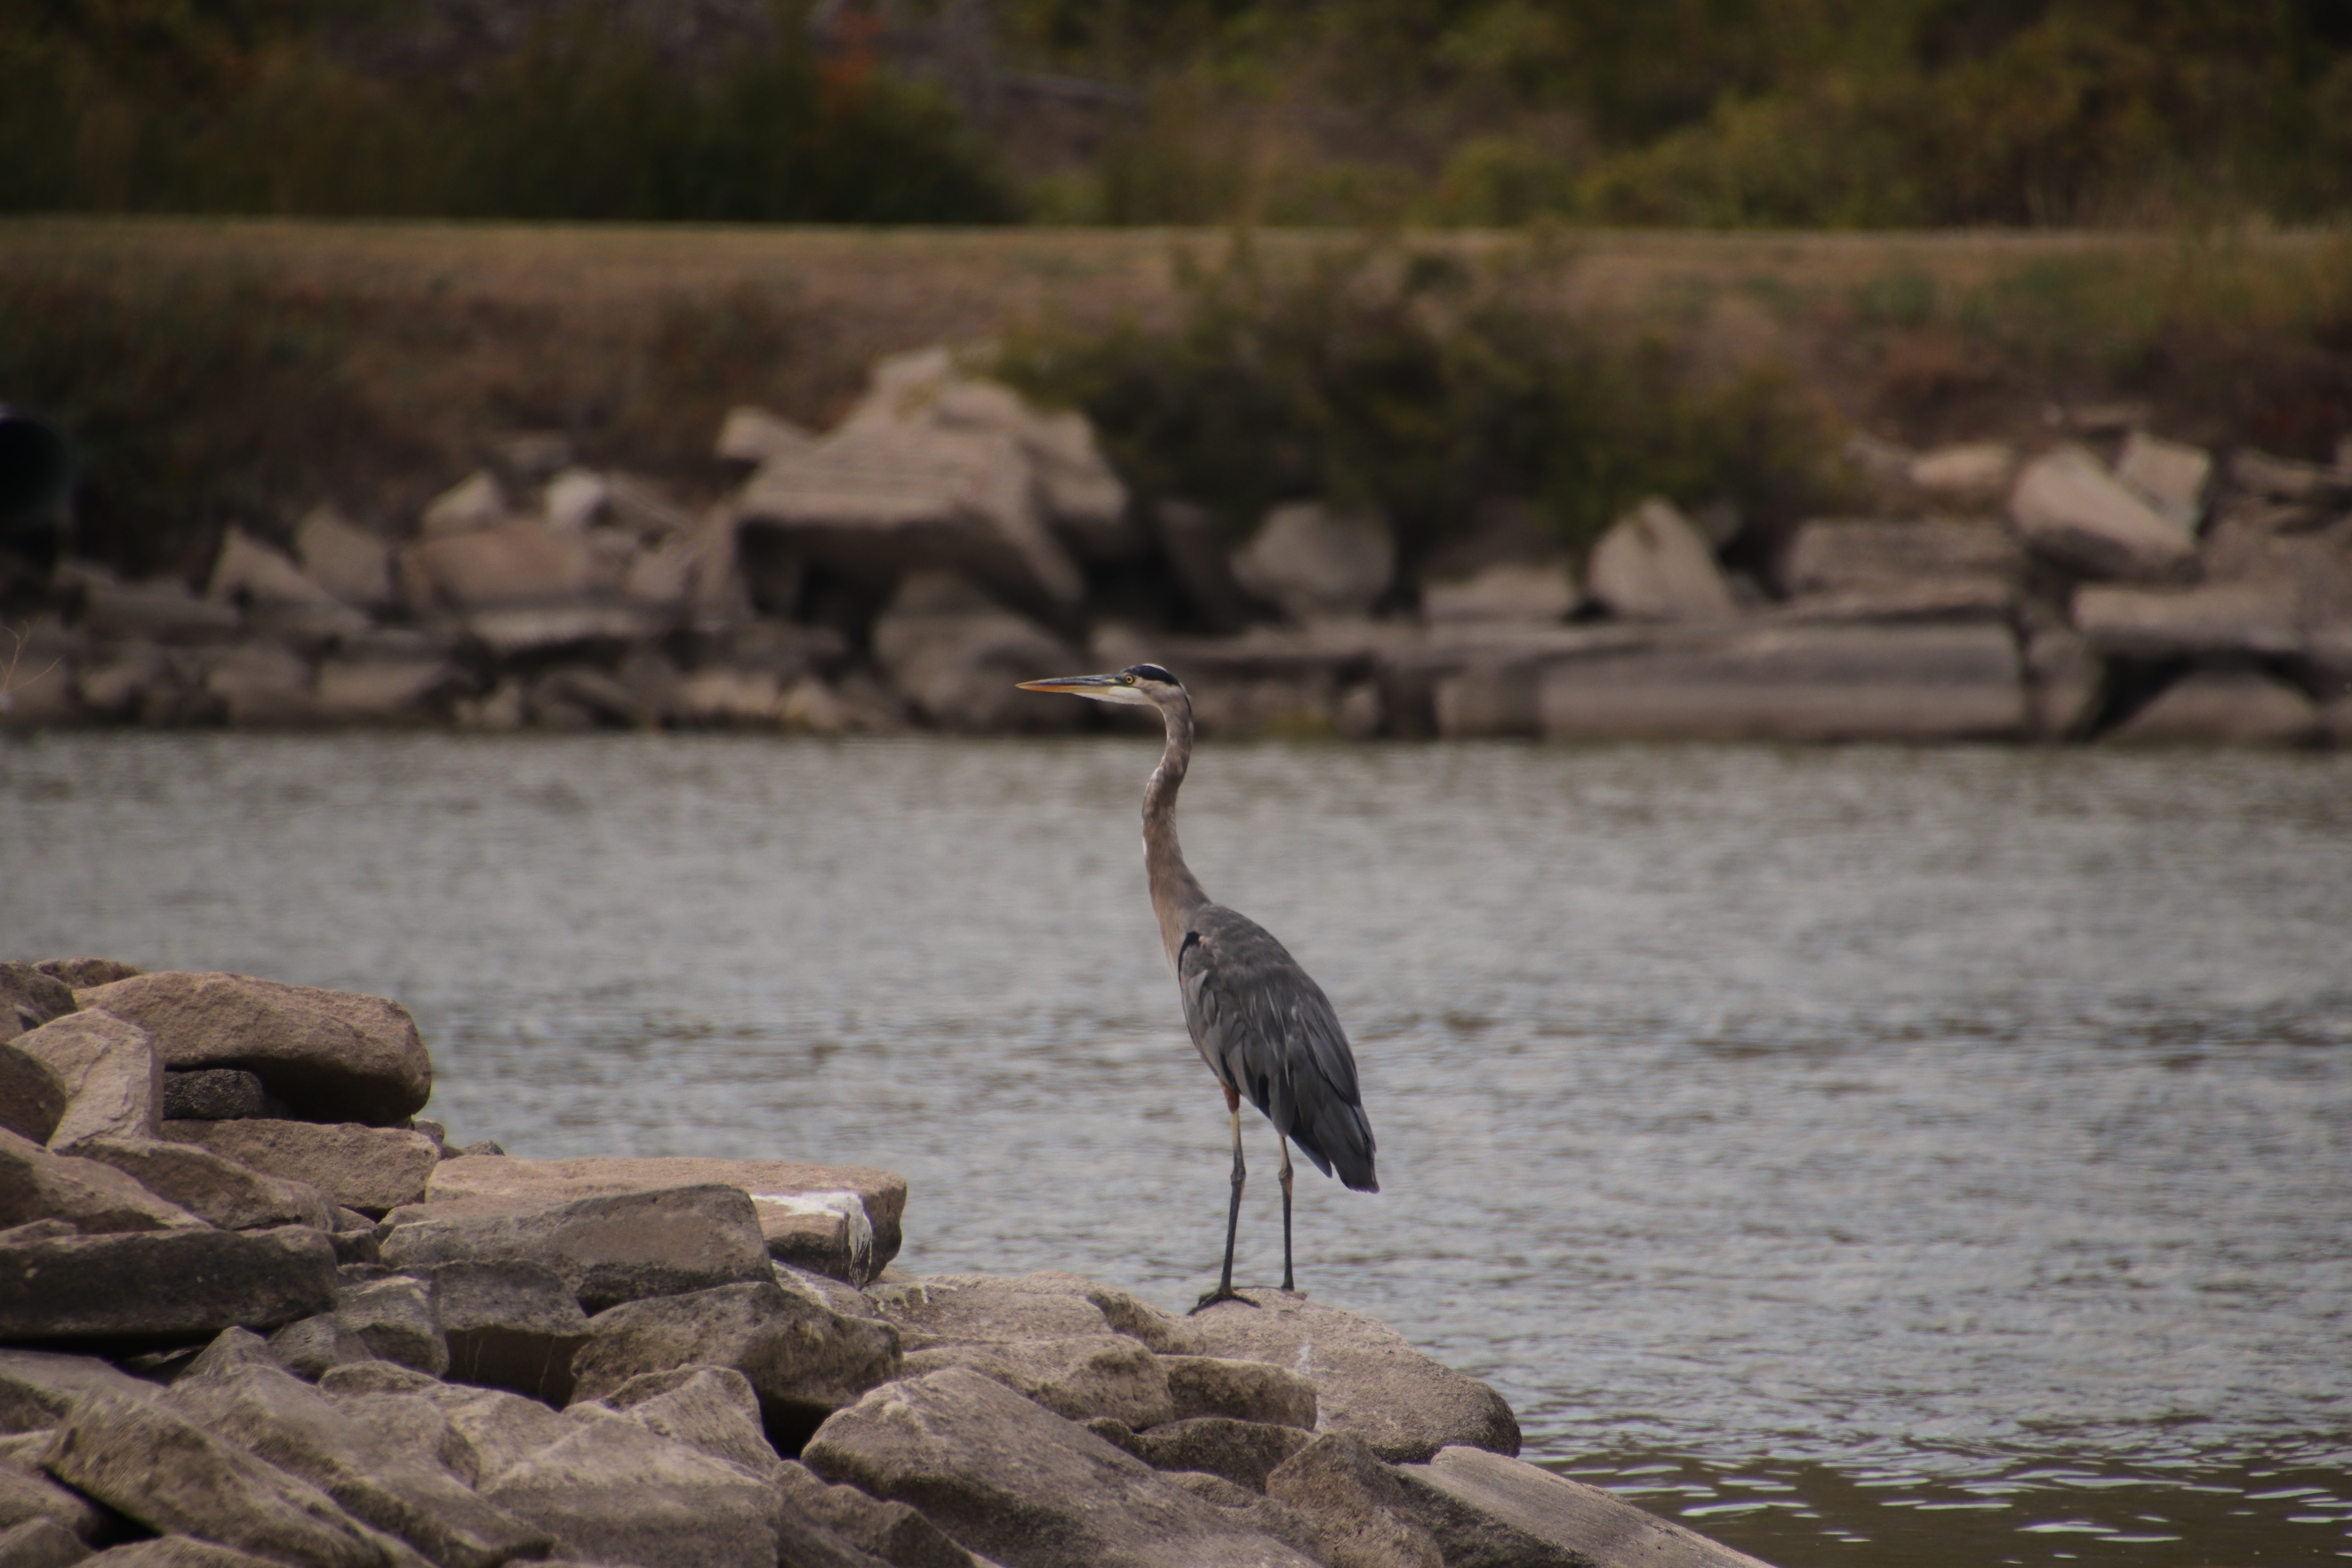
(1213, 1296)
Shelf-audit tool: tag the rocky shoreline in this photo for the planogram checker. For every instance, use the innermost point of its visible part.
(947, 539)
(255, 1311)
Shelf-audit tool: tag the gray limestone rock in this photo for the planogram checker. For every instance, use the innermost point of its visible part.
(1318, 564)
(232, 1349)
(2226, 706)
(393, 1316)
(711, 1408)
(1007, 1478)
(26, 1496)
(218, 1191)
(1245, 1390)
(314, 1346)
(178, 1285)
(1080, 1377)
(332, 1054)
(607, 1249)
(947, 1308)
(90, 1196)
(31, 1099)
(112, 1078)
(1653, 565)
(180, 1551)
(804, 1360)
(37, 1387)
(41, 1544)
(890, 1532)
(1260, 1513)
(283, 1420)
(215, 1094)
(144, 1460)
(2070, 507)
(1485, 1511)
(1361, 1510)
(1243, 1452)
(510, 1324)
(371, 1169)
(1368, 1379)
(29, 998)
(81, 973)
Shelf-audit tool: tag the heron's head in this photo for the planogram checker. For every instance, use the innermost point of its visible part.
(1146, 685)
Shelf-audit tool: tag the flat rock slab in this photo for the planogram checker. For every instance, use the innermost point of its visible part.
(612, 1490)
(608, 1250)
(840, 1220)
(151, 1464)
(371, 1169)
(88, 1195)
(510, 1324)
(37, 1387)
(334, 1056)
(1488, 1511)
(111, 1075)
(1015, 1483)
(184, 1284)
(1368, 1379)
(218, 1191)
(966, 1309)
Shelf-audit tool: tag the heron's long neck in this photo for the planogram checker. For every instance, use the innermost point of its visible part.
(1175, 891)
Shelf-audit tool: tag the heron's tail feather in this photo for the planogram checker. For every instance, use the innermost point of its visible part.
(1340, 1140)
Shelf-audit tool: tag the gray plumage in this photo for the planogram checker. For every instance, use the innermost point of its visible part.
(1259, 1021)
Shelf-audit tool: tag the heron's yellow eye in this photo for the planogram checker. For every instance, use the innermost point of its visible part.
(1127, 680)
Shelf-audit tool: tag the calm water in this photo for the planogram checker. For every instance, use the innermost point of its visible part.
(1871, 1156)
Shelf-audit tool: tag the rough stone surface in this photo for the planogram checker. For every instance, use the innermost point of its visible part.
(2071, 508)
(967, 1309)
(1080, 1378)
(1491, 1512)
(1842, 556)
(1362, 1511)
(1814, 682)
(1243, 1452)
(511, 1324)
(41, 1544)
(2254, 618)
(29, 998)
(1255, 1509)
(1536, 592)
(1653, 565)
(279, 1419)
(92, 1197)
(182, 1284)
(232, 1349)
(607, 1249)
(1245, 1390)
(611, 1491)
(1023, 1487)
(109, 1068)
(217, 1191)
(313, 1346)
(276, 595)
(346, 560)
(804, 1360)
(2222, 707)
(215, 1094)
(349, 690)
(371, 1169)
(26, 1496)
(956, 656)
(394, 1318)
(37, 1387)
(81, 973)
(1368, 1380)
(179, 1551)
(710, 1408)
(2170, 477)
(841, 1220)
(332, 1054)
(1315, 563)
(150, 1463)
(890, 1532)
(31, 1099)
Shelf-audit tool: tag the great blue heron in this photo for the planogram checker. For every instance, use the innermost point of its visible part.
(1260, 1022)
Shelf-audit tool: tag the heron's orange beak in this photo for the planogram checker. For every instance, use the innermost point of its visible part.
(1076, 685)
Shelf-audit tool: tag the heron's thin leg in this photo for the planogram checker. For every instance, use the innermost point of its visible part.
(1224, 1290)
(1287, 1283)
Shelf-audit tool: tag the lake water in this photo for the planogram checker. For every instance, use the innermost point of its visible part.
(1871, 1156)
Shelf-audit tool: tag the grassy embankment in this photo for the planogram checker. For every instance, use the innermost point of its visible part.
(217, 371)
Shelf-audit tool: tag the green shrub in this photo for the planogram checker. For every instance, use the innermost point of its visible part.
(1428, 387)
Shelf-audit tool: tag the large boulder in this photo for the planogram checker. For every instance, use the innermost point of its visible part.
(1363, 1512)
(522, 585)
(217, 1191)
(30, 998)
(956, 655)
(87, 1195)
(1081, 1377)
(1244, 1390)
(334, 1056)
(26, 1495)
(32, 1101)
(259, 683)
(277, 596)
(965, 1309)
(1368, 1380)
(1243, 1452)
(509, 1324)
(370, 1169)
(1792, 683)
(1317, 563)
(841, 1220)
(110, 1071)
(890, 1532)
(712, 1408)
(1866, 558)
(2256, 619)
(153, 1465)
(606, 1249)
(1653, 565)
(180, 1284)
(2171, 476)
(1485, 1510)
(2073, 510)
(37, 1387)
(803, 1359)
(279, 1418)
(1017, 1484)
(41, 1543)
(345, 559)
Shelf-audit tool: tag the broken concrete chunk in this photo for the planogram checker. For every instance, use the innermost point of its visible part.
(334, 1056)
(370, 1169)
(181, 1284)
(1368, 1379)
(607, 1249)
(110, 1071)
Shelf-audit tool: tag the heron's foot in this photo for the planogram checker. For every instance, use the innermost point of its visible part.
(1221, 1294)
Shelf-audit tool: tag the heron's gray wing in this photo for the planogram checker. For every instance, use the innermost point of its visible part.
(1269, 1034)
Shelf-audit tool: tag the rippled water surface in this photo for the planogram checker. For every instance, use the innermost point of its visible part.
(1871, 1156)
